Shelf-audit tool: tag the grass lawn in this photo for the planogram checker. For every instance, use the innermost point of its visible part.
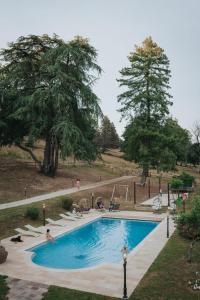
(167, 278)
(3, 288)
(61, 294)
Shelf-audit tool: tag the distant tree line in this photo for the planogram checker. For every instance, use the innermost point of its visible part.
(106, 135)
(194, 149)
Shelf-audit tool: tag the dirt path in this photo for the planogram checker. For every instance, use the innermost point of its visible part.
(61, 193)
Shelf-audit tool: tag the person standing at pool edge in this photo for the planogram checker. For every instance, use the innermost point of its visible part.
(49, 237)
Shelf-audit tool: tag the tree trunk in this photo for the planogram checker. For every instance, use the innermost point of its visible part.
(145, 171)
(51, 152)
(24, 148)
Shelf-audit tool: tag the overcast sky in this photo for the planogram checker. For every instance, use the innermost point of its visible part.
(113, 28)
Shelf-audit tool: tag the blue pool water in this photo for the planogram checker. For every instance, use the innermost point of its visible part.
(95, 243)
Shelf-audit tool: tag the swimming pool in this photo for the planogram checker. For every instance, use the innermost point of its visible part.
(93, 244)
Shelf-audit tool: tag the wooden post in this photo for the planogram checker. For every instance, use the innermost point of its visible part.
(92, 199)
(168, 195)
(113, 193)
(126, 193)
(134, 192)
(184, 205)
(25, 192)
(167, 225)
(159, 184)
(149, 189)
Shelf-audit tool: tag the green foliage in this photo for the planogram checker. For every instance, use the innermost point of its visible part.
(156, 153)
(146, 96)
(3, 288)
(188, 223)
(46, 93)
(146, 81)
(107, 137)
(193, 155)
(177, 139)
(187, 179)
(32, 213)
(67, 203)
(165, 146)
(176, 183)
(10, 154)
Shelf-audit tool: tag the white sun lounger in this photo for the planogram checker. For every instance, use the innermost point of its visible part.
(35, 229)
(157, 204)
(56, 223)
(68, 218)
(26, 232)
(74, 215)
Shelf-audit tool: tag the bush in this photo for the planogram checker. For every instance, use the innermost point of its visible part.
(188, 223)
(187, 179)
(67, 203)
(176, 183)
(33, 213)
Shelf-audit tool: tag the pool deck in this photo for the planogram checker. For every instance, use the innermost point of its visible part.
(105, 279)
(164, 199)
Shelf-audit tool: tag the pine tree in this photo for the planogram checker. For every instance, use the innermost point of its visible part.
(114, 138)
(146, 98)
(109, 138)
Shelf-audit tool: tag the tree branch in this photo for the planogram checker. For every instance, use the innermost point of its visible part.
(38, 162)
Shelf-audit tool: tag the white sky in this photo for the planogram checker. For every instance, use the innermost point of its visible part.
(114, 27)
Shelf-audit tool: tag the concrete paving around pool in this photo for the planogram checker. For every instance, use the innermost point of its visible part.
(106, 279)
(164, 200)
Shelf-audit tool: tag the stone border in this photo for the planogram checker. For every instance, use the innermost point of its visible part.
(105, 279)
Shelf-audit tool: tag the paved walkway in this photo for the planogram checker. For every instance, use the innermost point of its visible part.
(61, 193)
(24, 290)
(164, 199)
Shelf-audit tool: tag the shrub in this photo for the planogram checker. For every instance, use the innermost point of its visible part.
(10, 154)
(32, 213)
(176, 183)
(67, 203)
(187, 179)
(188, 223)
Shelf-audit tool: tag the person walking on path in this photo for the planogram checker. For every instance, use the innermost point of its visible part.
(78, 183)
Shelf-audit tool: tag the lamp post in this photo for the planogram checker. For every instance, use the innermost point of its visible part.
(125, 287)
(43, 210)
(168, 222)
